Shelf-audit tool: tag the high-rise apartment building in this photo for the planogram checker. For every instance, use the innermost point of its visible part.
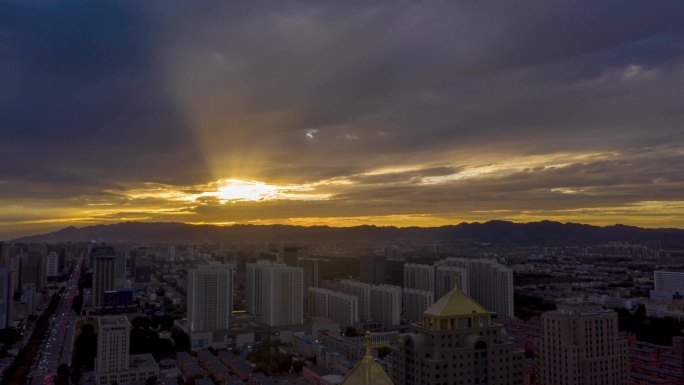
(33, 267)
(119, 268)
(275, 292)
(15, 273)
(52, 265)
(343, 309)
(97, 251)
(672, 281)
(415, 303)
(62, 256)
(361, 291)
(142, 270)
(5, 253)
(372, 269)
(113, 363)
(385, 304)
(31, 298)
(581, 346)
(113, 344)
(103, 278)
(5, 298)
(334, 305)
(420, 277)
(310, 266)
(449, 277)
(489, 283)
(457, 343)
(318, 301)
(254, 281)
(134, 255)
(254, 276)
(241, 259)
(292, 254)
(210, 298)
(284, 296)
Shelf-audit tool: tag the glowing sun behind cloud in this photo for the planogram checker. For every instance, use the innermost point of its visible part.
(237, 190)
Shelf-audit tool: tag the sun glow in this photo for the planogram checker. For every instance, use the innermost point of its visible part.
(224, 191)
(237, 190)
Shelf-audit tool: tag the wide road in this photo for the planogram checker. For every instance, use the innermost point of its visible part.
(57, 345)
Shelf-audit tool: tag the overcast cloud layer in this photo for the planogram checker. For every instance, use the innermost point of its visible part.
(405, 113)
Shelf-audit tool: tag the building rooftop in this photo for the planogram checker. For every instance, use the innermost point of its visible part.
(227, 356)
(204, 355)
(580, 313)
(142, 362)
(241, 366)
(113, 320)
(262, 379)
(184, 356)
(455, 303)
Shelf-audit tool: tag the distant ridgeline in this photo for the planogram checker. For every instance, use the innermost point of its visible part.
(496, 232)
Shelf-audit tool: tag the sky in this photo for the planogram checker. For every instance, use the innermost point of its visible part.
(406, 113)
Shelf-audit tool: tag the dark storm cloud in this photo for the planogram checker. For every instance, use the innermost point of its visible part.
(98, 98)
(371, 84)
(82, 101)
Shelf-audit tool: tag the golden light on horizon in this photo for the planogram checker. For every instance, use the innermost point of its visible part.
(354, 199)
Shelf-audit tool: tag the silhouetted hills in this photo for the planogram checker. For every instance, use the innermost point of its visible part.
(495, 232)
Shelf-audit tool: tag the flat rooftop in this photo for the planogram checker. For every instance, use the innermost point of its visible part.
(113, 320)
(142, 362)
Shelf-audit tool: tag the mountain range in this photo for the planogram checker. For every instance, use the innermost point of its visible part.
(495, 232)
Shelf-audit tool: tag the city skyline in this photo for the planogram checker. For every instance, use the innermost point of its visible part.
(411, 114)
(577, 304)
